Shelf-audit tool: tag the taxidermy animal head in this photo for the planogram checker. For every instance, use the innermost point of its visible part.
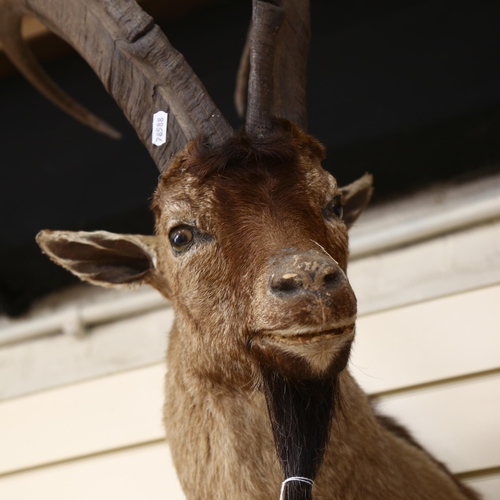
(251, 240)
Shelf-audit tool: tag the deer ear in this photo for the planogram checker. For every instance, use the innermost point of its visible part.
(355, 197)
(102, 258)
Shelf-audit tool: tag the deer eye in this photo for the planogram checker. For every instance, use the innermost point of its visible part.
(334, 208)
(181, 238)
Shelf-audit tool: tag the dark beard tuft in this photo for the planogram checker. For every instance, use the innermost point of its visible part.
(301, 412)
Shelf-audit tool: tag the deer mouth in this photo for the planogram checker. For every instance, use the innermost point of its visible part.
(309, 335)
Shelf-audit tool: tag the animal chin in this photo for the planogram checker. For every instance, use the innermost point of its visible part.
(305, 353)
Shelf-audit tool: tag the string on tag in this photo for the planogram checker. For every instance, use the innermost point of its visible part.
(294, 478)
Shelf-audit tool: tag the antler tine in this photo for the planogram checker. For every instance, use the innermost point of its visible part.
(279, 43)
(136, 64)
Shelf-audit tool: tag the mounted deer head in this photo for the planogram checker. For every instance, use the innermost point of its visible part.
(251, 247)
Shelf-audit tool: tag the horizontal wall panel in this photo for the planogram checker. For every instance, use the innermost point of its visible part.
(145, 472)
(142, 472)
(434, 268)
(63, 359)
(488, 486)
(426, 203)
(447, 337)
(458, 422)
(82, 419)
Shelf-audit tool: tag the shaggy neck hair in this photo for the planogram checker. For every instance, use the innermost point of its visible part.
(301, 412)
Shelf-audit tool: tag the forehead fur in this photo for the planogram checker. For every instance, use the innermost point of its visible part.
(235, 181)
(285, 144)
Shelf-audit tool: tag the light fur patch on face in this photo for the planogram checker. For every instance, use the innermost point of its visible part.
(318, 349)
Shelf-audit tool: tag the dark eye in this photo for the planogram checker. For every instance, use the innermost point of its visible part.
(181, 238)
(334, 208)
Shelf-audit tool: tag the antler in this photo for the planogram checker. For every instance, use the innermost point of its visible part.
(273, 65)
(133, 59)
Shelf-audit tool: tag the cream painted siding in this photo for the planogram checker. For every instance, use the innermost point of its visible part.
(145, 472)
(80, 417)
(427, 342)
(110, 413)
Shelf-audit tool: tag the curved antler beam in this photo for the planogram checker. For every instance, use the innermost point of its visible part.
(276, 55)
(135, 62)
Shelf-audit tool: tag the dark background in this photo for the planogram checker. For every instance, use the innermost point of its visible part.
(409, 91)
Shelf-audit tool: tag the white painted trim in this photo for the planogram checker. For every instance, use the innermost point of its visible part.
(60, 360)
(471, 213)
(74, 320)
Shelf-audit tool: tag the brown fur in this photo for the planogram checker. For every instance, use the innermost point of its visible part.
(282, 146)
(398, 430)
(258, 207)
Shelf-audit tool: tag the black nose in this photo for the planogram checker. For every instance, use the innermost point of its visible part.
(305, 273)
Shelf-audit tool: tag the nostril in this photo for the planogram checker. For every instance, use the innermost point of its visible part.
(331, 279)
(287, 283)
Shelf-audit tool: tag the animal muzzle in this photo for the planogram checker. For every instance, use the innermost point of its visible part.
(305, 320)
(310, 274)
(307, 296)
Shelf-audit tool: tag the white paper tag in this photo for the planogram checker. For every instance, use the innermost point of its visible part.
(159, 136)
